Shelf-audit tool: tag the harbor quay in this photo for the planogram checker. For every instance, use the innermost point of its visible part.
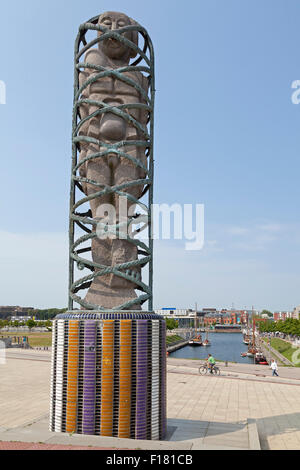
(243, 408)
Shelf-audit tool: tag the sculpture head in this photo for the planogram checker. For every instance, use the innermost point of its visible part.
(113, 48)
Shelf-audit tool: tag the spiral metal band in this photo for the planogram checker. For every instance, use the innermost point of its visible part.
(84, 220)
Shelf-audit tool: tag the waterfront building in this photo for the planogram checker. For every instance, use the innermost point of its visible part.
(174, 312)
(280, 316)
(296, 313)
(185, 317)
(207, 316)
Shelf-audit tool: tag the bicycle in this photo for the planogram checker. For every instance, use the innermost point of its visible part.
(205, 368)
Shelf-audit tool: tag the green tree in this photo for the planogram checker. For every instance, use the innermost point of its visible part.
(267, 312)
(171, 324)
(47, 314)
(31, 324)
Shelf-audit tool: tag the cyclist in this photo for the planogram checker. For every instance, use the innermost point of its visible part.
(211, 362)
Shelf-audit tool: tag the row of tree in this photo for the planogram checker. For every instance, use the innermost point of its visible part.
(291, 326)
(30, 323)
(48, 314)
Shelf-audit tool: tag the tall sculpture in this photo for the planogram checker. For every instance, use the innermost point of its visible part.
(109, 357)
(112, 163)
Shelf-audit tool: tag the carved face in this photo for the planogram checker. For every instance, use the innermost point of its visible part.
(113, 48)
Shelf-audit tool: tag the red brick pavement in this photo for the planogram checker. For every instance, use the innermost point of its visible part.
(34, 446)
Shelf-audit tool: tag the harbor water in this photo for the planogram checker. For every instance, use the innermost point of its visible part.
(224, 346)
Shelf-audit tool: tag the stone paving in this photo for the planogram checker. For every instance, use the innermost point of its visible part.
(203, 412)
(24, 391)
(274, 406)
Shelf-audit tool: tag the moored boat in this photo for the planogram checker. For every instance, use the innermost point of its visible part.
(260, 359)
(197, 341)
(251, 351)
(206, 342)
(246, 338)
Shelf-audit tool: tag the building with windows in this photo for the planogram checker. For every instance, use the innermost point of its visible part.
(207, 316)
(6, 313)
(296, 313)
(281, 316)
(185, 317)
(175, 312)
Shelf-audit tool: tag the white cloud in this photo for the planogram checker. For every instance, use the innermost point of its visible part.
(237, 230)
(220, 279)
(271, 228)
(34, 272)
(256, 237)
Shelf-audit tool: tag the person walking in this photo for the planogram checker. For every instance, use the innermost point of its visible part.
(274, 368)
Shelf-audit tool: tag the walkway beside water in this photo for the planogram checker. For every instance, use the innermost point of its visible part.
(204, 412)
(254, 372)
(269, 351)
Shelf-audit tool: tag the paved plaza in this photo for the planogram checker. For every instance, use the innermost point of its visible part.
(203, 412)
(274, 406)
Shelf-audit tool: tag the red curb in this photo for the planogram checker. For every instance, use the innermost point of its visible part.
(34, 446)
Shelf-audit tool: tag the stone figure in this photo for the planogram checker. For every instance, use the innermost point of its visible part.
(110, 291)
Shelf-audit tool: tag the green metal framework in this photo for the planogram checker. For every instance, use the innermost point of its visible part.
(85, 220)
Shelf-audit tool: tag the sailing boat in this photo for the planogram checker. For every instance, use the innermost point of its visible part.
(197, 340)
(252, 350)
(246, 334)
(246, 339)
(206, 342)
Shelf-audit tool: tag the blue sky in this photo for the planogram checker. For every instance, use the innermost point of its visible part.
(227, 136)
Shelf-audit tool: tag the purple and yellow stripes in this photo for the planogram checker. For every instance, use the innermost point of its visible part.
(141, 380)
(89, 378)
(72, 374)
(107, 378)
(125, 379)
(53, 376)
(163, 381)
(155, 381)
(59, 379)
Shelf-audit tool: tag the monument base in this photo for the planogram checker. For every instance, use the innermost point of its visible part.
(108, 374)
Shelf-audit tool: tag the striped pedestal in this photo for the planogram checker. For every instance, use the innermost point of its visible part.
(108, 375)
